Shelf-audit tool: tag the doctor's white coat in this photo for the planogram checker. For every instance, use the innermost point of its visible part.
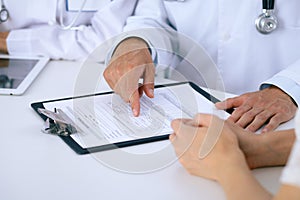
(33, 30)
(244, 58)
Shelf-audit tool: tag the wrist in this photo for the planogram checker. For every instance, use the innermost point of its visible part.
(129, 44)
(241, 184)
(280, 93)
(254, 150)
(3, 42)
(268, 149)
(237, 166)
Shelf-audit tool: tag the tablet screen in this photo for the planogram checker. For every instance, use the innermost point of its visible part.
(14, 71)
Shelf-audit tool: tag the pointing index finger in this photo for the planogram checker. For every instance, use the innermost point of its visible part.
(135, 103)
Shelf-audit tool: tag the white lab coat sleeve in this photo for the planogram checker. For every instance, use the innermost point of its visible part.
(150, 22)
(56, 43)
(123, 37)
(288, 80)
(291, 173)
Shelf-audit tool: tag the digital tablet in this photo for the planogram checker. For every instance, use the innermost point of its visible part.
(18, 72)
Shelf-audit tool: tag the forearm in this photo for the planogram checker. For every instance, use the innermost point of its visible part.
(288, 192)
(3, 43)
(269, 149)
(239, 183)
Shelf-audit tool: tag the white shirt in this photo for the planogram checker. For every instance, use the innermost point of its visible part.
(245, 58)
(291, 173)
(33, 31)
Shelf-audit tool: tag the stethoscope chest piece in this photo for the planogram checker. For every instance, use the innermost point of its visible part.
(266, 22)
(4, 14)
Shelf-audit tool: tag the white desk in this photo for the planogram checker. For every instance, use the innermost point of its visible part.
(38, 166)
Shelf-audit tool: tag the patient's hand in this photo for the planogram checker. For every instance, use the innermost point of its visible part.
(207, 146)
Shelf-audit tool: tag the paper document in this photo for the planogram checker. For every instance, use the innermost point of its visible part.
(105, 119)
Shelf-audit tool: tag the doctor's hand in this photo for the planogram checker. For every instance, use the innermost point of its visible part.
(269, 107)
(208, 147)
(130, 62)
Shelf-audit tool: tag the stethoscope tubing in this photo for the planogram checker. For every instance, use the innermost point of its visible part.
(265, 23)
(70, 26)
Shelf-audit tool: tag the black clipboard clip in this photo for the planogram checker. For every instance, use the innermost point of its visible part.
(57, 123)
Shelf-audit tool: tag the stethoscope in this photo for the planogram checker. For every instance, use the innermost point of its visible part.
(4, 15)
(71, 26)
(267, 21)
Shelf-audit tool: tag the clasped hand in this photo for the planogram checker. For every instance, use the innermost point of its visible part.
(218, 137)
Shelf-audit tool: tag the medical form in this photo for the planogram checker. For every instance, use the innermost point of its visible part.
(106, 119)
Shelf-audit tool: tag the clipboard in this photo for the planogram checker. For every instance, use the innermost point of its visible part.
(79, 149)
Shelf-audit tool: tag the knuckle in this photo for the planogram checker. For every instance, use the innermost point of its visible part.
(261, 117)
(271, 126)
(182, 160)
(233, 118)
(240, 124)
(106, 74)
(246, 106)
(240, 110)
(244, 96)
(230, 99)
(275, 120)
(118, 72)
(250, 114)
(252, 127)
(260, 104)
(281, 108)
(131, 66)
(248, 98)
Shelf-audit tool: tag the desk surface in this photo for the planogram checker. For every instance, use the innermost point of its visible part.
(39, 166)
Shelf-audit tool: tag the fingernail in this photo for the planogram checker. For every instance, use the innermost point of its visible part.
(172, 136)
(135, 112)
(264, 130)
(151, 91)
(218, 104)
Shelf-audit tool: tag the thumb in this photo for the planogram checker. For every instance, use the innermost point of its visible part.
(214, 126)
(149, 75)
(203, 119)
(175, 124)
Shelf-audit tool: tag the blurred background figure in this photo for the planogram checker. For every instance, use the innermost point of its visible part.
(60, 29)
